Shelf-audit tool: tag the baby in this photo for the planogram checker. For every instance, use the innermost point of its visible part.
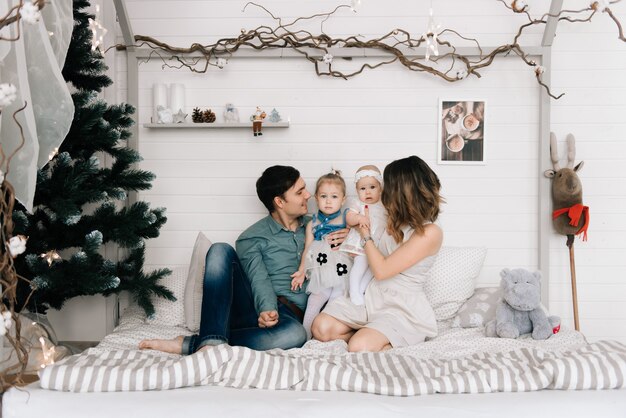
(327, 269)
(369, 184)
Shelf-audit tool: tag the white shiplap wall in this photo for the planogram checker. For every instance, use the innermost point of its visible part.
(206, 177)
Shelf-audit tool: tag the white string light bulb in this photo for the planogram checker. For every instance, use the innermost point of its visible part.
(432, 47)
(97, 31)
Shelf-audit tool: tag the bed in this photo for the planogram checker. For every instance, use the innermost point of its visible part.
(460, 373)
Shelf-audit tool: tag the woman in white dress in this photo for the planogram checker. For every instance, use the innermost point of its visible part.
(396, 312)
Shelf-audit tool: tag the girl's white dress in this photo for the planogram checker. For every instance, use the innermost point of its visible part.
(396, 307)
(378, 223)
(325, 267)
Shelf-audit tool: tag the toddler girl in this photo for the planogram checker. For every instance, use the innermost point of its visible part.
(369, 184)
(327, 270)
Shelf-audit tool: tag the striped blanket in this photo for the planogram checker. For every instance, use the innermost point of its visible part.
(601, 365)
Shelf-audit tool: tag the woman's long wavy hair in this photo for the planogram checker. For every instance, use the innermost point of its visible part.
(410, 196)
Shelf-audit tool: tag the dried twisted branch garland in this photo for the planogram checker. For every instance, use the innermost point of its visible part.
(8, 276)
(12, 375)
(398, 44)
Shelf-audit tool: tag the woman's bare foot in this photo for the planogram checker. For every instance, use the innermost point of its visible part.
(174, 346)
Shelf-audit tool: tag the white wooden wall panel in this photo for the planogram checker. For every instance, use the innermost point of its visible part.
(206, 177)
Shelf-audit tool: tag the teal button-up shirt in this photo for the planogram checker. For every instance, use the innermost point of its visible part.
(270, 254)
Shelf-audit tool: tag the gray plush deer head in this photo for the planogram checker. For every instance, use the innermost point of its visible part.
(567, 190)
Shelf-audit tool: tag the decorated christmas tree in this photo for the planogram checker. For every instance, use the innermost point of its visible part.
(79, 202)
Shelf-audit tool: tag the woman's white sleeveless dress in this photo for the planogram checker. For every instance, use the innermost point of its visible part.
(396, 307)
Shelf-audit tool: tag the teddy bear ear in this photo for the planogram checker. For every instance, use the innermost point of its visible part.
(505, 272)
(537, 274)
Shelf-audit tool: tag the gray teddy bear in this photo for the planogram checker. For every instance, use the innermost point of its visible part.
(519, 310)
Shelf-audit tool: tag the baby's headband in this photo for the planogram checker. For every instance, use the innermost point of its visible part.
(368, 173)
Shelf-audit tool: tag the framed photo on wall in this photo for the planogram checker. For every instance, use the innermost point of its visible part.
(461, 138)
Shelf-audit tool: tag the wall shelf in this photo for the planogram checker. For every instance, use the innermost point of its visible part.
(214, 125)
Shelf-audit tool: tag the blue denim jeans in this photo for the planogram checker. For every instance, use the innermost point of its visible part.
(228, 313)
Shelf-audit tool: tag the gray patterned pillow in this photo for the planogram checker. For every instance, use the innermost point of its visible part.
(478, 309)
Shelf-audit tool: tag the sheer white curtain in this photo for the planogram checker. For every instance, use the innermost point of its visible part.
(33, 65)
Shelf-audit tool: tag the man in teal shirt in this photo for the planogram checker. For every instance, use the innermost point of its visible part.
(247, 296)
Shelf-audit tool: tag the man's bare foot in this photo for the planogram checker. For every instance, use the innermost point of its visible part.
(204, 348)
(174, 346)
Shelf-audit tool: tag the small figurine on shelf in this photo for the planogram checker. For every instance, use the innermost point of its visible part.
(164, 115)
(208, 116)
(257, 121)
(196, 116)
(179, 117)
(275, 116)
(231, 115)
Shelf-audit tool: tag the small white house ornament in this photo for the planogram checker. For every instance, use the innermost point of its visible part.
(164, 115)
(231, 114)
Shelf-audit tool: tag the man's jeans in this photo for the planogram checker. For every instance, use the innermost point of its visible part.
(228, 313)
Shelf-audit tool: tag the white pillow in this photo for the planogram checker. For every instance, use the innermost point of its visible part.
(167, 312)
(195, 277)
(451, 279)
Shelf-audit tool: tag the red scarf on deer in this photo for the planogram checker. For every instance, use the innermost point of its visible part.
(574, 213)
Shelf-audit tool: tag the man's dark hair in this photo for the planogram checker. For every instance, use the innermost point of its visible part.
(275, 181)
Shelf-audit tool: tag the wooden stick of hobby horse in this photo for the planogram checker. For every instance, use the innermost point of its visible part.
(572, 269)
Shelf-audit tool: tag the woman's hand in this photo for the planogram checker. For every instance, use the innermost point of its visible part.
(364, 220)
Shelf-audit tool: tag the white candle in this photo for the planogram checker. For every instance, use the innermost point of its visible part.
(177, 98)
(159, 98)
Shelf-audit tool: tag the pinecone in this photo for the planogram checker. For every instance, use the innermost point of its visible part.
(208, 116)
(196, 116)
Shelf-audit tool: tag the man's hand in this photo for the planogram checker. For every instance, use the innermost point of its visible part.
(336, 238)
(268, 319)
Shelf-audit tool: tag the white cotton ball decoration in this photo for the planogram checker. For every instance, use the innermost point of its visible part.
(8, 94)
(221, 62)
(599, 5)
(17, 245)
(30, 12)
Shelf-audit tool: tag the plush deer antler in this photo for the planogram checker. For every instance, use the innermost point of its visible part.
(554, 156)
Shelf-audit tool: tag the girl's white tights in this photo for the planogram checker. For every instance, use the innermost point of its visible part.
(315, 304)
(360, 276)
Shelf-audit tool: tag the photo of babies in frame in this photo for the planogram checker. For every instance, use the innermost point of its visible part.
(461, 137)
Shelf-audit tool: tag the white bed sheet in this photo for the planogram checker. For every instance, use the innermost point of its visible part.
(213, 401)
